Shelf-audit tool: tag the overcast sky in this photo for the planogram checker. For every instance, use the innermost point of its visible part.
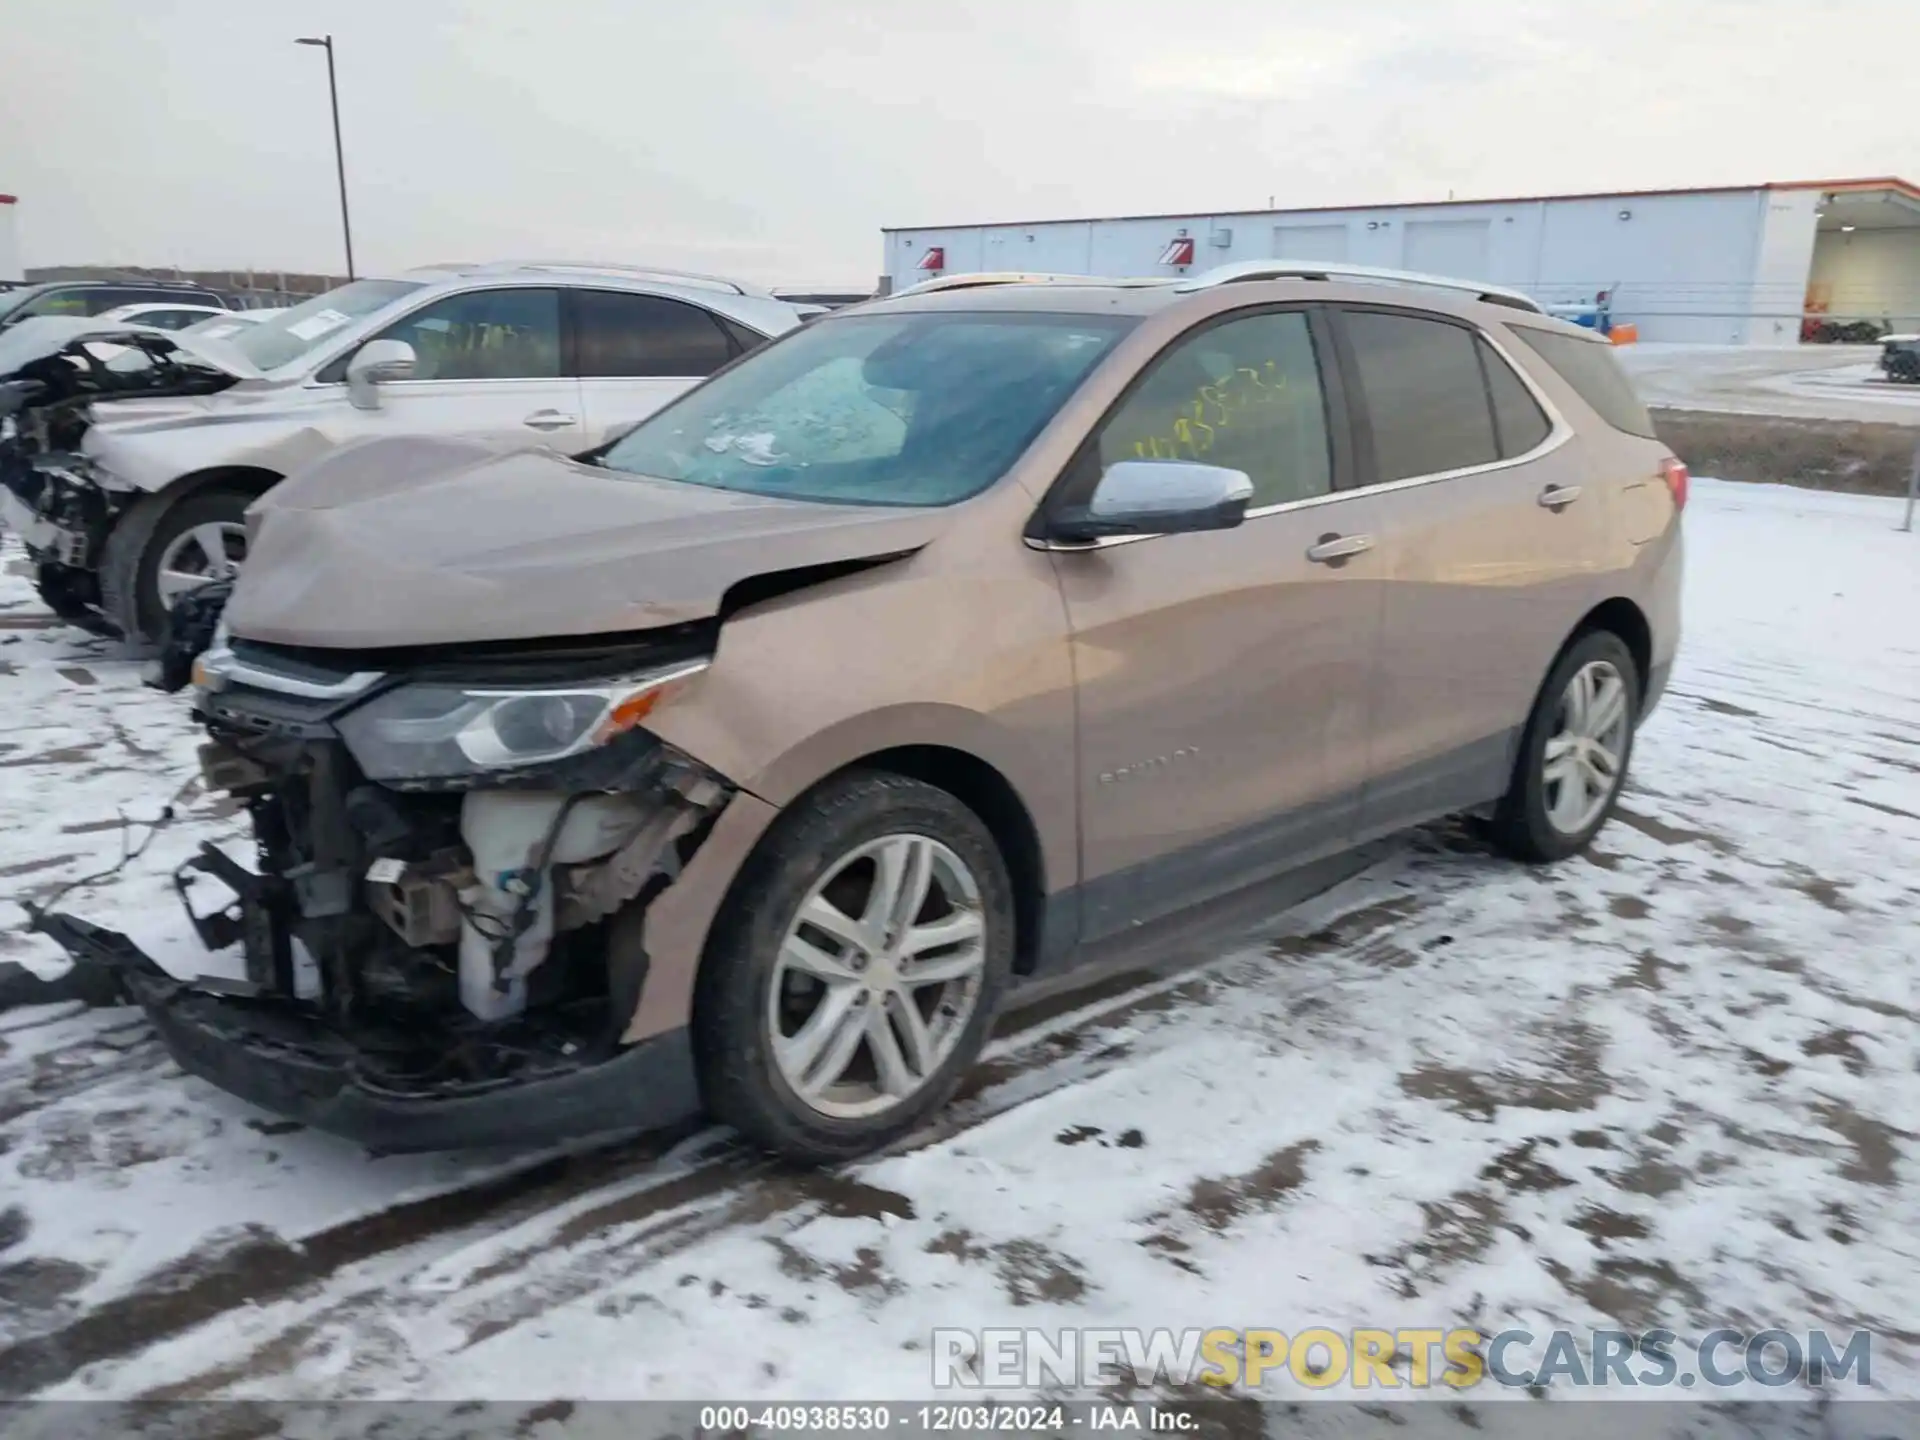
(773, 138)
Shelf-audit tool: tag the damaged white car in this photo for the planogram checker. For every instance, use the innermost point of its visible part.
(128, 476)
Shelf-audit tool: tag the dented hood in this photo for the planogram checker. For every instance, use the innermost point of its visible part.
(423, 541)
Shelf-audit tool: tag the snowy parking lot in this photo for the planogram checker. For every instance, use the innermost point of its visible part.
(1671, 1083)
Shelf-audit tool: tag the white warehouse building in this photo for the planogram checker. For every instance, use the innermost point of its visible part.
(1717, 266)
(9, 239)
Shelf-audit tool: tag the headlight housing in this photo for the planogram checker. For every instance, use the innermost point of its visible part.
(438, 732)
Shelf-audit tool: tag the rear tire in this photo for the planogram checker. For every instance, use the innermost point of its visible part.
(1538, 820)
(130, 590)
(750, 1084)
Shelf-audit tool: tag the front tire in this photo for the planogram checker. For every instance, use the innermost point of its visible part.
(72, 595)
(856, 970)
(161, 548)
(1574, 752)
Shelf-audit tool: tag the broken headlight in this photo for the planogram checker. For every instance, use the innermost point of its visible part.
(433, 732)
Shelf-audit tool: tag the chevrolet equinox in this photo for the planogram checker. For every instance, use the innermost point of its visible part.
(949, 644)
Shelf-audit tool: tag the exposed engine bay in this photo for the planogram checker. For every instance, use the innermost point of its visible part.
(453, 863)
(53, 495)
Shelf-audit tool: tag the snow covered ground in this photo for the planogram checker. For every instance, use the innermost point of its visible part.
(1840, 382)
(1671, 1083)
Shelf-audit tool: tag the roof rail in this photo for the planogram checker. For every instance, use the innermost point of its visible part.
(609, 267)
(988, 277)
(1019, 277)
(1365, 274)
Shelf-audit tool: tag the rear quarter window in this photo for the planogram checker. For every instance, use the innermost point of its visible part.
(1590, 368)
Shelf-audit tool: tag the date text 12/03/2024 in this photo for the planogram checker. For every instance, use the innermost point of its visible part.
(941, 1419)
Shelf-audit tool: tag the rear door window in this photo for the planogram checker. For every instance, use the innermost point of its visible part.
(1589, 367)
(619, 334)
(1519, 422)
(1425, 394)
(1246, 395)
(744, 337)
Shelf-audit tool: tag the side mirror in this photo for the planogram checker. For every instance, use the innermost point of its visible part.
(377, 363)
(1157, 497)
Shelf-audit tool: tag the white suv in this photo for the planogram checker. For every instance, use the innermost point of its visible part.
(128, 473)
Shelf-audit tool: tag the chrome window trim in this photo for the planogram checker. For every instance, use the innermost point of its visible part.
(1559, 433)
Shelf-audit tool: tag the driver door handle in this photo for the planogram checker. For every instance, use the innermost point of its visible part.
(1556, 496)
(1332, 549)
(550, 420)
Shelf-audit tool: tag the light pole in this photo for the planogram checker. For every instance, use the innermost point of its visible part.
(325, 42)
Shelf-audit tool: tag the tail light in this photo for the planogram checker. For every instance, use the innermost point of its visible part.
(1675, 474)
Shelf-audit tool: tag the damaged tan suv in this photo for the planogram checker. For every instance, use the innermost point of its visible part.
(949, 644)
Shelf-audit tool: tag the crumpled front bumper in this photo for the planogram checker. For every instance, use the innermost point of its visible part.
(284, 1059)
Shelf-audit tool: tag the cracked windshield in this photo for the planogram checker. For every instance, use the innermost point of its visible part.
(916, 409)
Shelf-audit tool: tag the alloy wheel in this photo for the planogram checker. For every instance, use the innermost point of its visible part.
(207, 552)
(1585, 754)
(878, 976)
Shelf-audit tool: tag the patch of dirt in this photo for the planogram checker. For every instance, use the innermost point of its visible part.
(29, 867)
(1652, 1178)
(959, 1244)
(1455, 1231)
(1894, 810)
(866, 1273)
(1875, 1154)
(1172, 1249)
(1217, 1202)
(37, 1289)
(1602, 1225)
(1828, 894)
(1645, 974)
(1520, 1171)
(795, 1263)
(847, 1199)
(1764, 1064)
(1077, 1134)
(1667, 834)
(110, 1143)
(1575, 1080)
(59, 755)
(1592, 1139)
(1839, 1045)
(1629, 907)
(1349, 933)
(1723, 707)
(76, 674)
(93, 827)
(1033, 1272)
(1640, 1294)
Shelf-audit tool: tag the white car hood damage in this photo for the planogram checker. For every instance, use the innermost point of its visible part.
(419, 541)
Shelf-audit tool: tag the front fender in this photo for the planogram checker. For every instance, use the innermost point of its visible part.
(151, 452)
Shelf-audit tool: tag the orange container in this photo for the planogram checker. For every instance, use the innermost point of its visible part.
(1625, 334)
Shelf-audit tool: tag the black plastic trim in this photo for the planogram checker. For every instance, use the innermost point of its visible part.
(231, 1044)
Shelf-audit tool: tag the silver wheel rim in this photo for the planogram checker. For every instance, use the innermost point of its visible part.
(1583, 760)
(877, 976)
(211, 551)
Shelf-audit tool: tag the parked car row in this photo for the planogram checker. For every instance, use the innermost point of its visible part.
(129, 480)
(97, 298)
(749, 756)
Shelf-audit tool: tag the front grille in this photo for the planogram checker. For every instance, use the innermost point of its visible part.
(263, 712)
